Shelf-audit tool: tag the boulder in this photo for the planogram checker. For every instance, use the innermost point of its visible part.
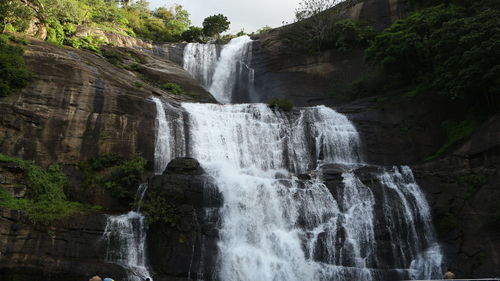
(185, 245)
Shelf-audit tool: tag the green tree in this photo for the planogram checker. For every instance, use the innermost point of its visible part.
(193, 34)
(215, 25)
(453, 50)
(176, 18)
(14, 14)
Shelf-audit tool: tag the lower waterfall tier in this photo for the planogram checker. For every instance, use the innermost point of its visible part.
(298, 203)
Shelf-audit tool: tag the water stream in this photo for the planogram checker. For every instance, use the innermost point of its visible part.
(281, 220)
(125, 238)
(227, 76)
(277, 227)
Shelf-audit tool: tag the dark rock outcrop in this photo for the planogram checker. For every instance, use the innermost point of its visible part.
(463, 190)
(313, 79)
(183, 244)
(399, 130)
(72, 250)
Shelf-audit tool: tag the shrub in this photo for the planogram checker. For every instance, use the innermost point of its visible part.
(193, 34)
(173, 88)
(456, 131)
(55, 32)
(45, 202)
(13, 71)
(116, 173)
(113, 57)
(283, 104)
(88, 43)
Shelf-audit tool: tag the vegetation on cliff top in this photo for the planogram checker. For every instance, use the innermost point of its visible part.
(449, 49)
(13, 71)
(61, 19)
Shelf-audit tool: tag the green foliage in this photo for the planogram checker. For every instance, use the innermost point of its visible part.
(456, 131)
(138, 84)
(46, 201)
(55, 32)
(324, 32)
(162, 208)
(452, 49)
(13, 71)
(14, 16)
(176, 18)
(62, 16)
(116, 173)
(283, 104)
(113, 57)
(193, 34)
(215, 25)
(88, 43)
(264, 29)
(164, 24)
(347, 34)
(173, 88)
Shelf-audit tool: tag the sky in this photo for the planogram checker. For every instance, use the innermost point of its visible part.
(250, 15)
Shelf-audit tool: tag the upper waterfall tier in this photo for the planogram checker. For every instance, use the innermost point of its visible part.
(227, 76)
(254, 135)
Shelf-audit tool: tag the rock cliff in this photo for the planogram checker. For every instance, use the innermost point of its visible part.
(79, 105)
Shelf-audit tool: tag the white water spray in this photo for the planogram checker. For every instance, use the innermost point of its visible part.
(276, 227)
(125, 237)
(225, 75)
(200, 60)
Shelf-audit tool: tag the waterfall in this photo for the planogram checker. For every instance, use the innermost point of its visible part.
(200, 60)
(255, 136)
(283, 217)
(169, 142)
(227, 77)
(277, 227)
(125, 238)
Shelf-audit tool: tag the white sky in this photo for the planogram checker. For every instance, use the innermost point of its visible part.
(248, 14)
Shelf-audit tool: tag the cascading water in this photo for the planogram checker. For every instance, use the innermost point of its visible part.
(275, 226)
(169, 142)
(226, 76)
(200, 60)
(125, 237)
(281, 219)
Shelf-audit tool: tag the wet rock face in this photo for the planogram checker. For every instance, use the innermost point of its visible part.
(312, 79)
(79, 105)
(464, 195)
(71, 251)
(185, 246)
(76, 106)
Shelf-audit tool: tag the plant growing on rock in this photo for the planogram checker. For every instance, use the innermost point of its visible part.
(117, 173)
(173, 88)
(283, 104)
(45, 202)
(13, 71)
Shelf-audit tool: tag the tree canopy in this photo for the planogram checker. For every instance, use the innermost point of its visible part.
(215, 25)
(452, 49)
(124, 16)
